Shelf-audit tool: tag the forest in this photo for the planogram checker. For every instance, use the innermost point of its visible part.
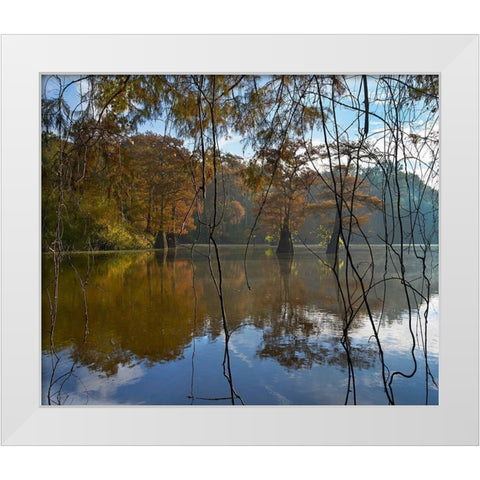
(297, 172)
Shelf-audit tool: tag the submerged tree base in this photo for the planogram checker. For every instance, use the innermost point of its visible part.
(332, 247)
(285, 244)
(165, 241)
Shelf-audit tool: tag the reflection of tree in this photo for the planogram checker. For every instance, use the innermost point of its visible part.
(142, 308)
(291, 351)
(294, 350)
(303, 320)
(56, 392)
(298, 338)
(362, 357)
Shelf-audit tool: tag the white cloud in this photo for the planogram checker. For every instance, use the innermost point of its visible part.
(93, 388)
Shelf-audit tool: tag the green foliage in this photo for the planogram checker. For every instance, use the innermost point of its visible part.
(271, 239)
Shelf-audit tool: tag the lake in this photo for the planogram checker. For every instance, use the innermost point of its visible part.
(144, 328)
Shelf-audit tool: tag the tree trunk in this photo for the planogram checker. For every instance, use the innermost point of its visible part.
(171, 240)
(285, 244)
(332, 246)
(161, 240)
(148, 228)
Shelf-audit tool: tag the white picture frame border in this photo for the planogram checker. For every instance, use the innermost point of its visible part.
(453, 422)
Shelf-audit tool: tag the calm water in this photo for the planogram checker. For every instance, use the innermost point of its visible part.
(147, 330)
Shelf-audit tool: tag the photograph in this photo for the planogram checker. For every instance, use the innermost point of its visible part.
(240, 239)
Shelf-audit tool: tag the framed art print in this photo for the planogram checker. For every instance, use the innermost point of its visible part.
(240, 240)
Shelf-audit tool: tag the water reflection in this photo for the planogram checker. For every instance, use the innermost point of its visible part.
(155, 333)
